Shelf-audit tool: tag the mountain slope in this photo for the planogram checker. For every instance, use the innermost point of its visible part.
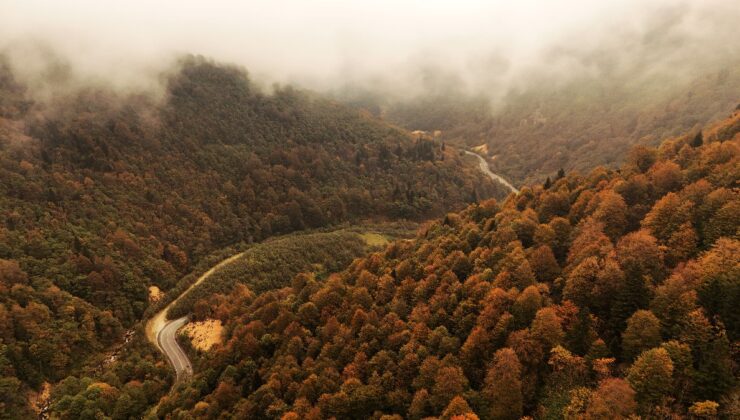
(104, 194)
(590, 120)
(605, 295)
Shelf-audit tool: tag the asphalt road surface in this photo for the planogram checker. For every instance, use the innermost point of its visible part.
(483, 164)
(173, 351)
(162, 332)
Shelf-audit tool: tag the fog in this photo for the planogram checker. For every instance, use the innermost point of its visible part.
(398, 47)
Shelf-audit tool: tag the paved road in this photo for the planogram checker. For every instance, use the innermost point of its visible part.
(175, 354)
(162, 332)
(483, 164)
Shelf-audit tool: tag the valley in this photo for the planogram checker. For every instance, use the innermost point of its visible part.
(162, 332)
(354, 210)
(538, 273)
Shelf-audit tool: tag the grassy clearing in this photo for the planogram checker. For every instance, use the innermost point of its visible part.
(373, 239)
(204, 334)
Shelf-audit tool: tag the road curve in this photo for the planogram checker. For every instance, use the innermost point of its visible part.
(162, 332)
(168, 344)
(483, 164)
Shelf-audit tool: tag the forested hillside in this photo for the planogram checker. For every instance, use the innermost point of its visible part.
(132, 383)
(103, 194)
(608, 295)
(533, 131)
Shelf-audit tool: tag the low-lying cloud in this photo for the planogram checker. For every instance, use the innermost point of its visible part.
(400, 47)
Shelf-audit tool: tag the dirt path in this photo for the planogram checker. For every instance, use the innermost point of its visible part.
(162, 333)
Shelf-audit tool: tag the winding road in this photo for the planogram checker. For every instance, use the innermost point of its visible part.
(163, 332)
(168, 344)
(483, 164)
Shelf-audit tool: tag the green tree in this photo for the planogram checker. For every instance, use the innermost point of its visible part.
(698, 140)
(642, 333)
(719, 290)
(651, 376)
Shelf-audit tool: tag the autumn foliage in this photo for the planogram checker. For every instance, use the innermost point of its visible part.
(103, 194)
(607, 295)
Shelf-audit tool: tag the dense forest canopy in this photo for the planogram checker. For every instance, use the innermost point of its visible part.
(468, 210)
(608, 295)
(104, 194)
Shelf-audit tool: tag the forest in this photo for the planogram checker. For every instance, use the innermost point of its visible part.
(349, 210)
(272, 264)
(104, 193)
(606, 295)
(548, 124)
(603, 295)
(138, 377)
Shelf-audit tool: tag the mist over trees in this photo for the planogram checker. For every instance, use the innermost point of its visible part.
(606, 287)
(105, 194)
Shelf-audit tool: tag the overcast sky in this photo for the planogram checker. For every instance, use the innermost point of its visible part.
(324, 44)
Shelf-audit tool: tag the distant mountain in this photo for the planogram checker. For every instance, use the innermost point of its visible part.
(533, 131)
(104, 194)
